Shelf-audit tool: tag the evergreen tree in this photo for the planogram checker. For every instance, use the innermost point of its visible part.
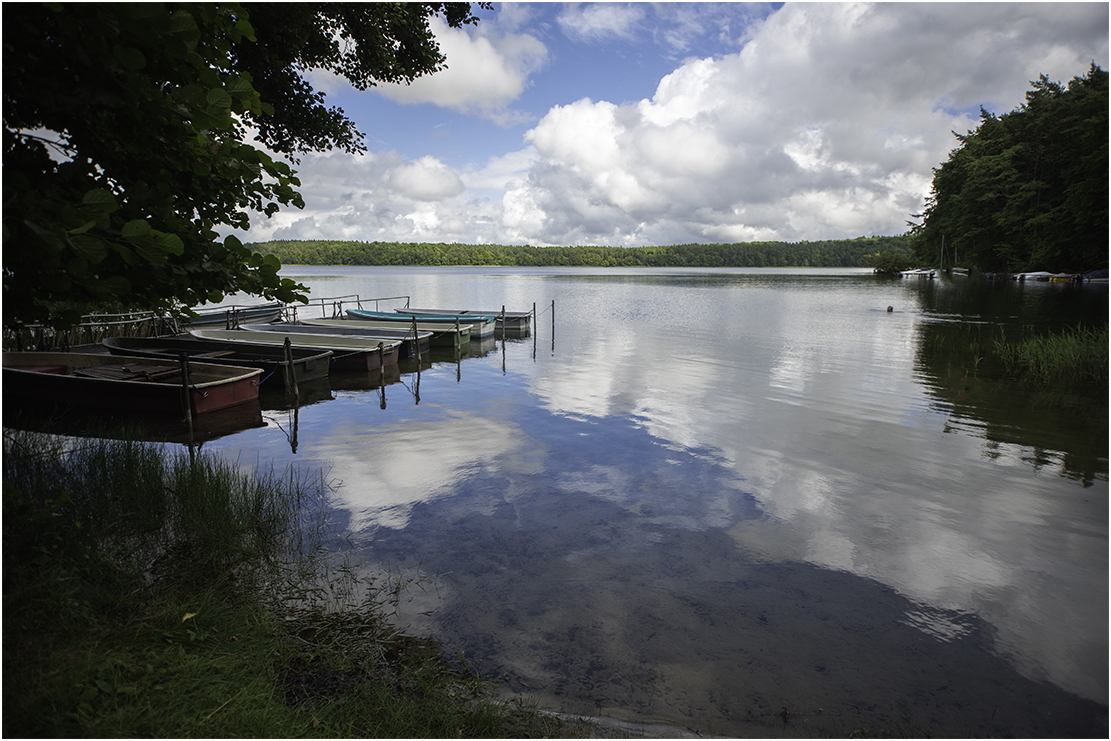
(1027, 190)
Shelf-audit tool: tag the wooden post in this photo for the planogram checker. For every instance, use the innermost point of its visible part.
(534, 327)
(458, 340)
(293, 438)
(503, 322)
(291, 377)
(416, 341)
(186, 396)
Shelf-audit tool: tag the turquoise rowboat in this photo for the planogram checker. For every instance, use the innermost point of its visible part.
(517, 320)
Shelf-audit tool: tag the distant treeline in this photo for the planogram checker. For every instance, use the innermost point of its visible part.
(849, 253)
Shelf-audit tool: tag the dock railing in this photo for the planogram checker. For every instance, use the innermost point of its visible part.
(91, 330)
(335, 307)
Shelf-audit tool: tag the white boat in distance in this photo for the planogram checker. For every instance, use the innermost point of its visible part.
(348, 352)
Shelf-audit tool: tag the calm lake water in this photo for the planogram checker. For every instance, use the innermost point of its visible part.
(745, 502)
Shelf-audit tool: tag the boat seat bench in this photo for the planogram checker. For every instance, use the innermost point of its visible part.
(123, 373)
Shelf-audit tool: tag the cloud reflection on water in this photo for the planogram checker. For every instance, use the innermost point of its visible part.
(393, 467)
(829, 431)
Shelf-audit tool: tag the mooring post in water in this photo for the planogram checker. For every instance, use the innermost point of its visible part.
(293, 439)
(186, 397)
(416, 341)
(291, 377)
(534, 328)
(503, 322)
(553, 326)
(458, 337)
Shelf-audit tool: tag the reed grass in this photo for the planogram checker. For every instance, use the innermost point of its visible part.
(148, 593)
(1073, 359)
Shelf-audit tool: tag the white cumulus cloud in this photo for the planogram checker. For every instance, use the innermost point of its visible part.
(484, 73)
(427, 179)
(825, 123)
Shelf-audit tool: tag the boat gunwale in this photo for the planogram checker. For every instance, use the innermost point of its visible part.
(256, 338)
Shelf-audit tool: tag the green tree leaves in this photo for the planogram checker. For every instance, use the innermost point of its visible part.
(1027, 190)
(125, 150)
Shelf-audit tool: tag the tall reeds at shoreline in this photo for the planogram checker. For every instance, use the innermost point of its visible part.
(148, 592)
(1076, 358)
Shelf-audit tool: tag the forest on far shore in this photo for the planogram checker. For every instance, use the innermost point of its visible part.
(848, 253)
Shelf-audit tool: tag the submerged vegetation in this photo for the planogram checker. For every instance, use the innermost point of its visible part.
(848, 253)
(150, 594)
(1075, 358)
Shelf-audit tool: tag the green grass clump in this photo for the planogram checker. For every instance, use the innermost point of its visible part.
(1075, 358)
(148, 593)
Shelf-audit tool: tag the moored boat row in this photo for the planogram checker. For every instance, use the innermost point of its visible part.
(216, 368)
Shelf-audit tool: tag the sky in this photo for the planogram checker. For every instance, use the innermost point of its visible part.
(651, 124)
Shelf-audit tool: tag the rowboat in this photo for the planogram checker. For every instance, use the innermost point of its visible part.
(409, 347)
(444, 334)
(308, 364)
(348, 353)
(126, 384)
(502, 319)
(234, 315)
(429, 335)
(481, 325)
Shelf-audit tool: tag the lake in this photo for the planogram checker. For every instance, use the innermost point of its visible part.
(741, 502)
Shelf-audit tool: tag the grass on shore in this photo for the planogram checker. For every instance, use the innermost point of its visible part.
(148, 594)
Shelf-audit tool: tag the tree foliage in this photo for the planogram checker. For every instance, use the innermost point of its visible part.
(860, 252)
(1027, 190)
(125, 129)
